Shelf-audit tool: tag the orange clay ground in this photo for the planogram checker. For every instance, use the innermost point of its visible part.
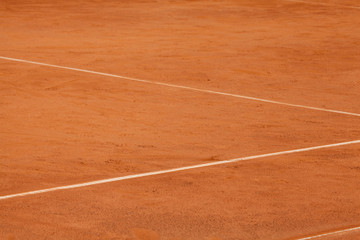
(61, 127)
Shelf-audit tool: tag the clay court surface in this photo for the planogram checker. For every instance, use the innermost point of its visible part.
(60, 127)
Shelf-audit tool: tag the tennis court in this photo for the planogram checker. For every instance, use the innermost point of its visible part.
(145, 120)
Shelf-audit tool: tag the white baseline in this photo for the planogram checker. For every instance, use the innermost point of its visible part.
(176, 169)
(330, 233)
(183, 87)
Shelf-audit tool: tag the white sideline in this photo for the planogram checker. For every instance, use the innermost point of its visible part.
(183, 87)
(324, 4)
(330, 233)
(176, 169)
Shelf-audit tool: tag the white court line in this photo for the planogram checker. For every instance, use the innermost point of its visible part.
(175, 170)
(324, 4)
(330, 233)
(183, 87)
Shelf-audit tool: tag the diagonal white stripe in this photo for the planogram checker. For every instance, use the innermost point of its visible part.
(330, 233)
(183, 87)
(176, 169)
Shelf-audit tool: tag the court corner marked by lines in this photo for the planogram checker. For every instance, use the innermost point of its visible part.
(183, 87)
(330, 233)
(176, 170)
